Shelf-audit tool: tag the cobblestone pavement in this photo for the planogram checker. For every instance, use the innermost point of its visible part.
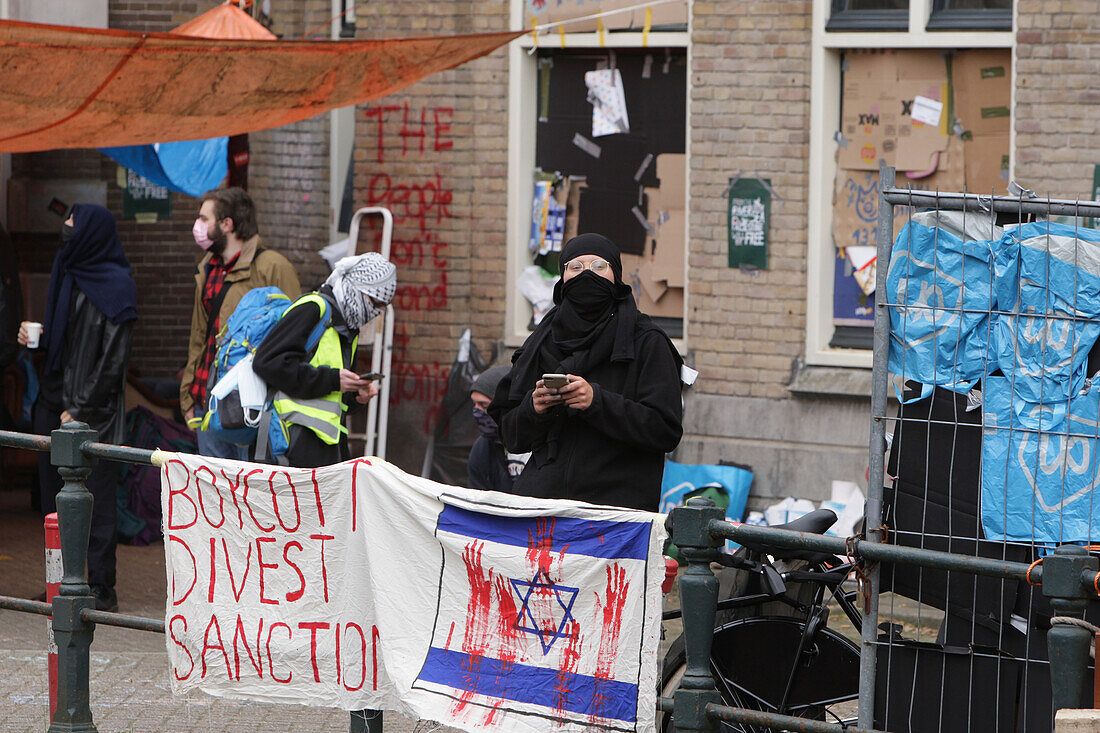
(129, 669)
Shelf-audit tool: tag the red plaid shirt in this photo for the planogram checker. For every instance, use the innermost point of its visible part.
(216, 270)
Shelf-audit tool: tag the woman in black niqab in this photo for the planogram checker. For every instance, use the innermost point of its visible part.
(622, 400)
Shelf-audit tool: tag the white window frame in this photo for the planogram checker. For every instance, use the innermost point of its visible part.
(824, 122)
(522, 122)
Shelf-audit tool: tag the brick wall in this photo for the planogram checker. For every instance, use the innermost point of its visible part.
(745, 329)
(436, 155)
(288, 178)
(1057, 44)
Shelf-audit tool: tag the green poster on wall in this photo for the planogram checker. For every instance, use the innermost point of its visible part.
(748, 215)
(144, 200)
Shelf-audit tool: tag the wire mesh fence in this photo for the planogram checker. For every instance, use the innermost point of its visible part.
(988, 351)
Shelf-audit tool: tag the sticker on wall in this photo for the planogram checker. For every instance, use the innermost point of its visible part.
(749, 218)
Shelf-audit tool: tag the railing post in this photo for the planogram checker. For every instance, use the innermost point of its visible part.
(699, 601)
(73, 635)
(1068, 645)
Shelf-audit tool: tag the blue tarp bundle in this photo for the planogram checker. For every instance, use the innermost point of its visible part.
(941, 284)
(1024, 304)
(1038, 486)
(1048, 289)
(192, 166)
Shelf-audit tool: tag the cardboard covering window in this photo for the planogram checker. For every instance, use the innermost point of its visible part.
(880, 91)
(634, 192)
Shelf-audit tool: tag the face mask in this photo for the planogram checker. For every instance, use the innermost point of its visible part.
(589, 293)
(66, 233)
(199, 233)
(485, 423)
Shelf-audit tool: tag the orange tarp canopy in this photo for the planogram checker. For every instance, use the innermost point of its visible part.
(63, 87)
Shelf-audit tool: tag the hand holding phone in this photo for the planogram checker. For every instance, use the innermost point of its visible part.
(371, 376)
(555, 381)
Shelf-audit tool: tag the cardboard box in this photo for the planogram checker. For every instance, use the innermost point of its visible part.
(869, 120)
(855, 209)
(921, 93)
(880, 94)
(635, 273)
(950, 171)
(668, 248)
(572, 187)
(987, 163)
(982, 82)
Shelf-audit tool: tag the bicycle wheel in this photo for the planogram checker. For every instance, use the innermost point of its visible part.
(825, 681)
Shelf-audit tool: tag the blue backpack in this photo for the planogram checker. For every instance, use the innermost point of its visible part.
(229, 418)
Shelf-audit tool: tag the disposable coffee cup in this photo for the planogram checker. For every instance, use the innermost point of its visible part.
(34, 334)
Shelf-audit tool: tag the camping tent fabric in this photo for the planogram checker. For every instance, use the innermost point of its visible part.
(193, 166)
(939, 286)
(1048, 294)
(225, 21)
(190, 166)
(137, 88)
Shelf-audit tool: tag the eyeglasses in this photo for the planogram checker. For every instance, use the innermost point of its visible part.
(597, 266)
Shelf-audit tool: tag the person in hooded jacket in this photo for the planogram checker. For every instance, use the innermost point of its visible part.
(602, 437)
(90, 311)
(317, 387)
(490, 467)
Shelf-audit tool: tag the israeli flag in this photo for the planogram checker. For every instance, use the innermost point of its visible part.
(539, 617)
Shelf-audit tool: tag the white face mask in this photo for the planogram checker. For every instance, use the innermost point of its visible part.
(201, 234)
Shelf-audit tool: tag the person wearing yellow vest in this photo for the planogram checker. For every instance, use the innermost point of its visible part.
(315, 388)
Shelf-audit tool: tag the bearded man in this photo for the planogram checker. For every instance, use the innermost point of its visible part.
(235, 262)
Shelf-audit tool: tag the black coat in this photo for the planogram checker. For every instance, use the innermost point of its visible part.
(613, 452)
(281, 360)
(92, 383)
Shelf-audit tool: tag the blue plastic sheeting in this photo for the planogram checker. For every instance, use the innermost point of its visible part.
(1048, 289)
(191, 166)
(1039, 486)
(941, 282)
(680, 479)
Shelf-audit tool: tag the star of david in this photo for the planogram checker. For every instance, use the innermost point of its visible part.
(564, 595)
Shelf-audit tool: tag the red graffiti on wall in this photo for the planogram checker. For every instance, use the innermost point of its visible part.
(423, 383)
(421, 205)
(434, 124)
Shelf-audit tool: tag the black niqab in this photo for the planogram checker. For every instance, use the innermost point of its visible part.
(91, 260)
(594, 320)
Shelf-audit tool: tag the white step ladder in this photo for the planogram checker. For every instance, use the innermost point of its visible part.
(380, 332)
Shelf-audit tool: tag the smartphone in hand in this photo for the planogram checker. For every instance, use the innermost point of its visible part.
(371, 376)
(555, 381)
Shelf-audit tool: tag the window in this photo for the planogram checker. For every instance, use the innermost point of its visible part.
(868, 15)
(551, 143)
(897, 65)
(993, 15)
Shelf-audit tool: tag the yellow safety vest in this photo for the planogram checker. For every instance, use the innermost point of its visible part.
(323, 415)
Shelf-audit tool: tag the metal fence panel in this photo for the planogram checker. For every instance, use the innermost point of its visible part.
(986, 428)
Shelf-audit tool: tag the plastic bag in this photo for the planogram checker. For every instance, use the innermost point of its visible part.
(941, 279)
(1039, 486)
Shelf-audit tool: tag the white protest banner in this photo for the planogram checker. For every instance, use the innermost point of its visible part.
(359, 586)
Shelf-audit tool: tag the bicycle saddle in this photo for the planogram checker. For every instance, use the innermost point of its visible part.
(817, 522)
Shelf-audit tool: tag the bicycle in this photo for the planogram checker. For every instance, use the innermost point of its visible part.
(772, 606)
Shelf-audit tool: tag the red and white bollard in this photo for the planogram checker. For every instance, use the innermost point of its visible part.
(54, 573)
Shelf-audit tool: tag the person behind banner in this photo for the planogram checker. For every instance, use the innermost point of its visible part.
(316, 389)
(90, 311)
(235, 262)
(603, 435)
(491, 467)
